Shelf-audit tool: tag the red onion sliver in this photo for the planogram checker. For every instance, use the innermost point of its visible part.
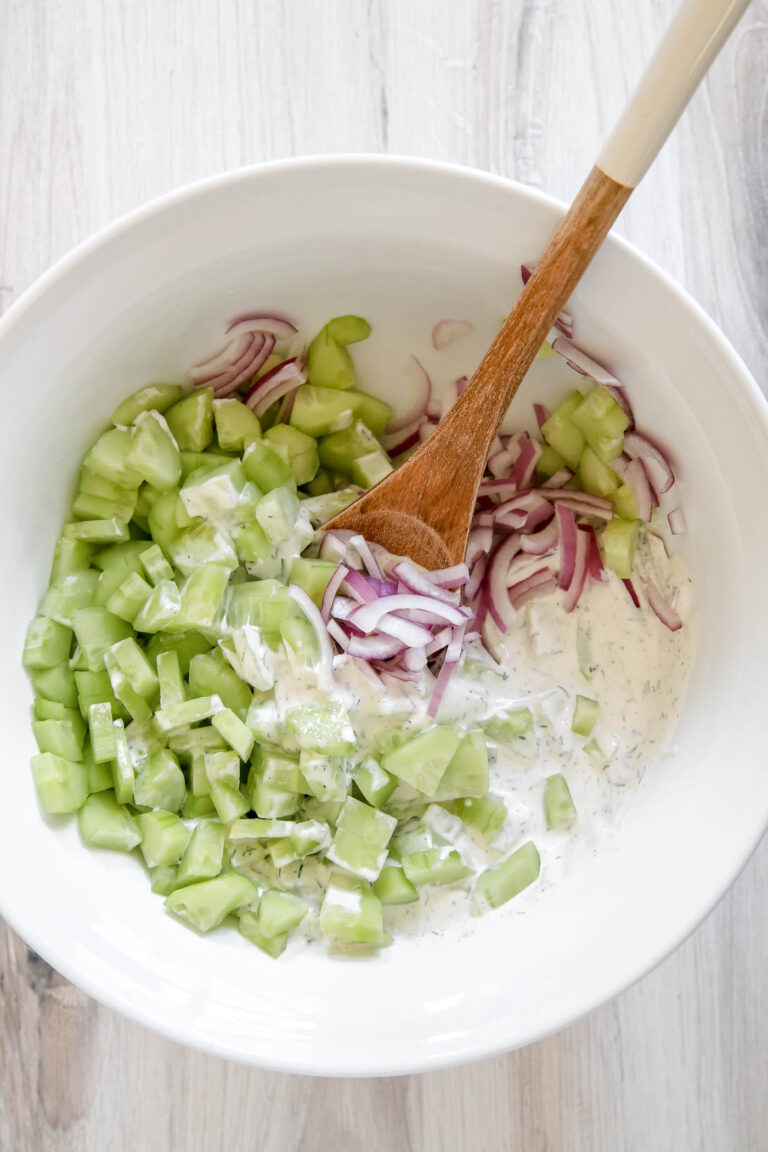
(331, 589)
(258, 353)
(420, 582)
(636, 477)
(496, 581)
(656, 463)
(274, 384)
(369, 616)
(595, 568)
(677, 522)
(452, 657)
(581, 362)
(663, 609)
(633, 594)
(414, 659)
(412, 635)
(526, 463)
(358, 587)
(222, 361)
(476, 577)
(447, 330)
(337, 633)
(566, 527)
(270, 325)
(500, 464)
(541, 414)
(540, 584)
(375, 647)
(576, 586)
(312, 613)
(401, 440)
(420, 389)
(619, 393)
(541, 542)
(442, 638)
(560, 478)
(363, 549)
(450, 577)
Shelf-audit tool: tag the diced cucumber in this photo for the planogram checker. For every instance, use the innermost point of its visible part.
(62, 784)
(201, 596)
(252, 830)
(339, 451)
(155, 565)
(549, 462)
(251, 543)
(325, 775)
(322, 727)
(269, 802)
(101, 732)
(153, 453)
(603, 422)
(160, 609)
(502, 881)
(438, 865)
(309, 836)
(190, 420)
(300, 641)
(328, 362)
(74, 591)
(265, 467)
(351, 912)
(170, 680)
(222, 767)
(393, 887)
(320, 411)
(153, 396)
(235, 732)
(186, 645)
(486, 814)
(228, 801)
(207, 904)
(163, 838)
(422, 761)
(585, 714)
(132, 661)
(559, 809)
(197, 807)
(57, 683)
(596, 477)
(69, 556)
(104, 823)
(160, 782)
(562, 434)
(129, 597)
(277, 513)
(164, 880)
(96, 631)
(46, 643)
(374, 783)
(370, 470)
(300, 450)
(109, 458)
(248, 927)
(204, 544)
(467, 771)
(321, 485)
(236, 424)
(94, 688)
(625, 502)
(211, 675)
(279, 913)
(108, 531)
(121, 767)
(204, 855)
(509, 727)
(279, 770)
(360, 842)
(187, 712)
(618, 540)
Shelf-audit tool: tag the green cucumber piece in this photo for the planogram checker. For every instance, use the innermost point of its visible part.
(204, 855)
(486, 814)
(618, 541)
(153, 452)
(370, 470)
(170, 680)
(190, 420)
(438, 865)
(603, 422)
(96, 631)
(374, 783)
(596, 477)
(57, 683)
(562, 434)
(101, 732)
(467, 771)
(103, 823)
(248, 927)
(559, 809)
(502, 881)
(339, 451)
(207, 904)
(160, 782)
(62, 784)
(279, 913)
(211, 675)
(393, 887)
(153, 396)
(351, 912)
(265, 467)
(69, 556)
(121, 767)
(163, 838)
(235, 732)
(109, 458)
(236, 424)
(322, 727)
(74, 591)
(360, 842)
(108, 531)
(585, 714)
(422, 762)
(300, 451)
(129, 597)
(46, 643)
(324, 775)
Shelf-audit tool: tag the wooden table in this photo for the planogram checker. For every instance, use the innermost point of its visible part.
(105, 104)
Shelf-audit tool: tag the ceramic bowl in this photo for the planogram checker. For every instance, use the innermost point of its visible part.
(403, 242)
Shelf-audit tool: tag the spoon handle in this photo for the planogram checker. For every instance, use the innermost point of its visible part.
(690, 44)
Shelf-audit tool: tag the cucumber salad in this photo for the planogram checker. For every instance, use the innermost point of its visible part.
(295, 732)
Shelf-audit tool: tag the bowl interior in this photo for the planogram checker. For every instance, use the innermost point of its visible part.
(403, 243)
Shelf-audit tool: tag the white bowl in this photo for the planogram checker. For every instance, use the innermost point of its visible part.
(403, 242)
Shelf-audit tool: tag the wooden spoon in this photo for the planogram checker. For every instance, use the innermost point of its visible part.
(424, 508)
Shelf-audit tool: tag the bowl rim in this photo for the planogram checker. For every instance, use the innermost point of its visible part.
(14, 911)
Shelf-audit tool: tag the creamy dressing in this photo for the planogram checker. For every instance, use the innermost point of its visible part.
(606, 649)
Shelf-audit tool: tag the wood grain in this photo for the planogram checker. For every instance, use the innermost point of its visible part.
(425, 507)
(106, 103)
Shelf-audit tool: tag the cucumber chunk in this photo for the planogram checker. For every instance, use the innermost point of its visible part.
(204, 854)
(351, 912)
(585, 714)
(618, 540)
(163, 838)
(190, 420)
(62, 784)
(103, 823)
(47, 643)
(153, 453)
(559, 809)
(502, 881)
(236, 424)
(422, 762)
(153, 396)
(205, 905)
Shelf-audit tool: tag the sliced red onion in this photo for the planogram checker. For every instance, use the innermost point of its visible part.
(660, 474)
(581, 362)
(541, 414)
(363, 549)
(559, 479)
(633, 594)
(524, 512)
(334, 544)
(394, 443)
(337, 633)
(331, 589)
(442, 638)
(270, 325)
(493, 638)
(452, 657)
(476, 577)
(382, 587)
(343, 607)
(576, 586)
(500, 464)
(420, 582)
(595, 567)
(525, 464)
(566, 528)
(412, 635)
(447, 330)
(677, 523)
(541, 542)
(276, 383)
(501, 488)
(414, 659)
(452, 577)
(663, 609)
(581, 502)
(222, 361)
(375, 647)
(246, 367)
(325, 658)
(358, 587)
(370, 615)
(636, 477)
(564, 321)
(420, 392)
(496, 581)
(538, 584)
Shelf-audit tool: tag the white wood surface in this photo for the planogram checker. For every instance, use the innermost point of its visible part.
(107, 103)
